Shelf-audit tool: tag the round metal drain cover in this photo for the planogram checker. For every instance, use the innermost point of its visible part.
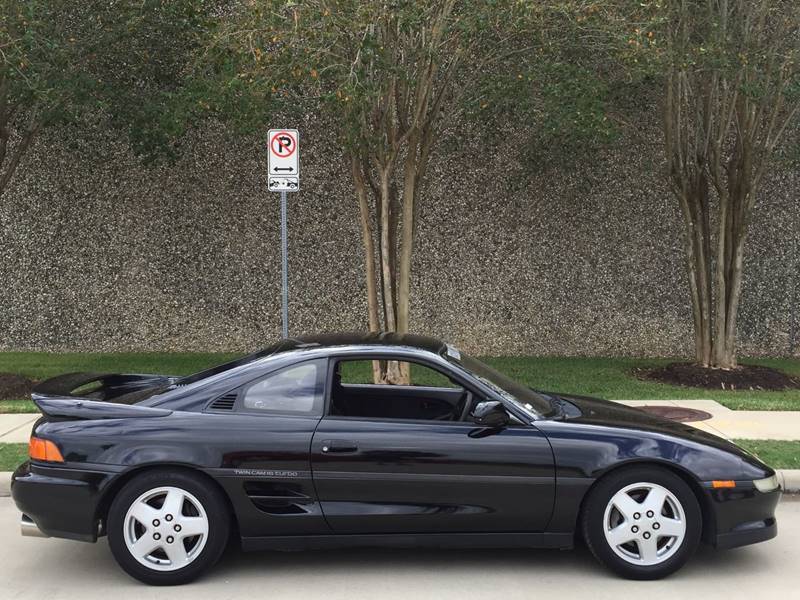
(677, 413)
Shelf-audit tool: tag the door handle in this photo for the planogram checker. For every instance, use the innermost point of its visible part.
(338, 446)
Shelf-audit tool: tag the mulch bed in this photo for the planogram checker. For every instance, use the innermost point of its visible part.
(15, 387)
(744, 377)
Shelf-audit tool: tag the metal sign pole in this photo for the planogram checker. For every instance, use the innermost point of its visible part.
(284, 176)
(285, 267)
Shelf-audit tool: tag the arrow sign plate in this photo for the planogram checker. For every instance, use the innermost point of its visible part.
(284, 156)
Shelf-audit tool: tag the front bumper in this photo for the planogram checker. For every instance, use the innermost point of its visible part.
(742, 515)
(58, 502)
(748, 533)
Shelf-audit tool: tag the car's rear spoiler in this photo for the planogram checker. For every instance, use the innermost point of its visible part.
(78, 408)
(99, 386)
(92, 395)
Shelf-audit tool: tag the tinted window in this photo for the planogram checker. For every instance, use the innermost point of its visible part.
(295, 390)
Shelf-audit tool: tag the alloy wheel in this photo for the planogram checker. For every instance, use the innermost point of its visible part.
(644, 524)
(166, 528)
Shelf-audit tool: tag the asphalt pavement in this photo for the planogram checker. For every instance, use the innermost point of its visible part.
(58, 569)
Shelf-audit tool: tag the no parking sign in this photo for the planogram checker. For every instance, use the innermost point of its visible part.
(284, 160)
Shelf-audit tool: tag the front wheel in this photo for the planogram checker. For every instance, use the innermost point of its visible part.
(642, 522)
(166, 528)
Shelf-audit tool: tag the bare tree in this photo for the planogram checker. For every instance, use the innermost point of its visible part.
(732, 89)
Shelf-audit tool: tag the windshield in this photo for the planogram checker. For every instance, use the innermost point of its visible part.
(514, 392)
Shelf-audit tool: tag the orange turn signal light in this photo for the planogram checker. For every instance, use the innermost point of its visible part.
(728, 483)
(39, 449)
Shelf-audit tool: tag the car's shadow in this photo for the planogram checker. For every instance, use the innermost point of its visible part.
(431, 561)
(350, 573)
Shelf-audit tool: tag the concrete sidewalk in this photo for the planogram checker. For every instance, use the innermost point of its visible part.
(16, 428)
(736, 424)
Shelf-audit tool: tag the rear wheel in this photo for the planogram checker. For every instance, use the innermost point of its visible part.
(167, 528)
(642, 522)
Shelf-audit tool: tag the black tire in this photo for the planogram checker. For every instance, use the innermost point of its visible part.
(216, 509)
(593, 525)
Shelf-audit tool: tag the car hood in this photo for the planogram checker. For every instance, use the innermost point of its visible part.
(595, 411)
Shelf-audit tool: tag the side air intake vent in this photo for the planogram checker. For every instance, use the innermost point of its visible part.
(225, 402)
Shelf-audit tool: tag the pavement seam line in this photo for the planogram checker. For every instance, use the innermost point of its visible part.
(17, 428)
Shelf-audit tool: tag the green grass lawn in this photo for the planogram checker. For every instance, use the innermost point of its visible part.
(12, 455)
(608, 378)
(42, 365)
(611, 378)
(777, 454)
(17, 406)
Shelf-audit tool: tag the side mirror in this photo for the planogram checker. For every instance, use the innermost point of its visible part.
(490, 414)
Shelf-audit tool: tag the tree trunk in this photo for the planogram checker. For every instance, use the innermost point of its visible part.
(387, 284)
(407, 236)
(701, 253)
(715, 302)
(715, 293)
(387, 273)
(369, 257)
(697, 266)
(693, 196)
(735, 228)
(734, 295)
(11, 155)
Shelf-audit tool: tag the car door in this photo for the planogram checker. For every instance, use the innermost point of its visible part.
(393, 475)
(265, 466)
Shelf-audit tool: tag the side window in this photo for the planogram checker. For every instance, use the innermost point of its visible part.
(298, 389)
(420, 393)
(360, 372)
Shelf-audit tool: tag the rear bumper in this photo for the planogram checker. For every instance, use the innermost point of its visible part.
(742, 515)
(29, 528)
(58, 502)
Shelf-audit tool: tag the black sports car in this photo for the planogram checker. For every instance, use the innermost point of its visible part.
(296, 447)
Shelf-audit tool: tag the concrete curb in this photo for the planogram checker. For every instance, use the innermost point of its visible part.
(789, 480)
